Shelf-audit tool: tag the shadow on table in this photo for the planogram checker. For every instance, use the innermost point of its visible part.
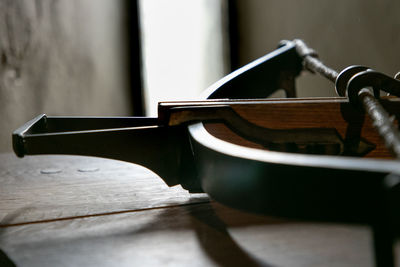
(208, 222)
(5, 261)
(216, 241)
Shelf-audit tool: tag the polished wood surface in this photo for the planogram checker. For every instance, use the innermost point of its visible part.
(74, 211)
(335, 113)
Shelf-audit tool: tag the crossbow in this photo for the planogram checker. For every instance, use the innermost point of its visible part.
(304, 158)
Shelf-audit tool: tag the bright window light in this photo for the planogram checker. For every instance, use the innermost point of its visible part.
(183, 46)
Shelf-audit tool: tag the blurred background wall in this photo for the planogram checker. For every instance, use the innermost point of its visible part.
(365, 32)
(73, 57)
(61, 57)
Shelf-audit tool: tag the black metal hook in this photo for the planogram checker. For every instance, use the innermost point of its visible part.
(344, 77)
(370, 78)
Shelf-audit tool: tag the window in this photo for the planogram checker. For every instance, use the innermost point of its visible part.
(183, 48)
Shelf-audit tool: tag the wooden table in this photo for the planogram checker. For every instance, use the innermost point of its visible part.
(81, 211)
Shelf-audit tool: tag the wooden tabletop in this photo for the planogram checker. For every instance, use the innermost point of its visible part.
(82, 211)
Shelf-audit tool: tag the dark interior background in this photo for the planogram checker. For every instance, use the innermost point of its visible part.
(71, 57)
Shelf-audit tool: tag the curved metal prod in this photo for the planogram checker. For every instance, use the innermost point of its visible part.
(304, 186)
(320, 187)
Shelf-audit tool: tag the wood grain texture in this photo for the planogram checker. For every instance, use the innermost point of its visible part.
(121, 214)
(334, 113)
(27, 194)
(197, 235)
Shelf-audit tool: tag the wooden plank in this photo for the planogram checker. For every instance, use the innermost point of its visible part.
(196, 235)
(53, 187)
